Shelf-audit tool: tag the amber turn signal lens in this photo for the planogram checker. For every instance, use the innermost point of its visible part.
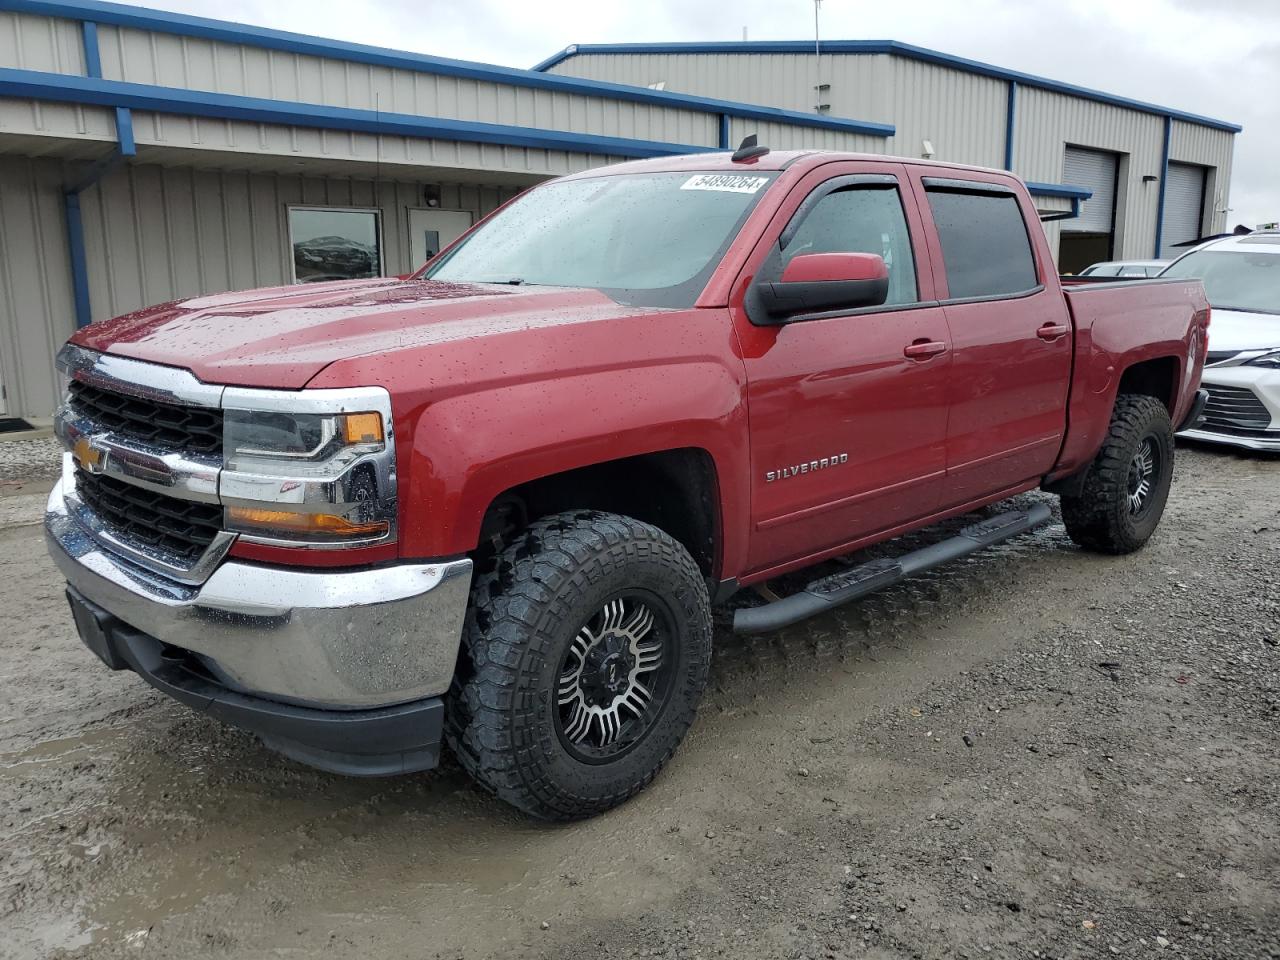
(362, 428)
(286, 520)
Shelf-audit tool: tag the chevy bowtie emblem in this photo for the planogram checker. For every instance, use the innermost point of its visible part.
(88, 457)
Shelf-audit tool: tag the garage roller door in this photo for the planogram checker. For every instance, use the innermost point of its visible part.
(1094, 170)
(1183, 207)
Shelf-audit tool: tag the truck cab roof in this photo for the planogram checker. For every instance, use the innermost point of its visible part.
(771, 162)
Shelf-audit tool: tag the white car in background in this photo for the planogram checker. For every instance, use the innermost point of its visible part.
(1242, 371)
(1125, 268)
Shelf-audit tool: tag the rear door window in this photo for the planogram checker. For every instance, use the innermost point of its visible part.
(985, 244)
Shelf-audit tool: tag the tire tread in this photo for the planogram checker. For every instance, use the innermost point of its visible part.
(1096, 518)
(514, 610)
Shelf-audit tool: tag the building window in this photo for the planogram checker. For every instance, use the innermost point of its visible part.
(335, 243)
(985, 245)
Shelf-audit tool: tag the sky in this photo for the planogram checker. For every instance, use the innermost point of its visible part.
(1219, 58)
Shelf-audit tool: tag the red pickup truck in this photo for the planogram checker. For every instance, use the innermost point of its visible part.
(493, 503)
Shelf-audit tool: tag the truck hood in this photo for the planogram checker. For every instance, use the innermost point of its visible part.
(1236, 330)
(282, 337)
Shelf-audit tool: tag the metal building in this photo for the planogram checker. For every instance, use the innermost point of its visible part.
(1158, 176)
(147, 156)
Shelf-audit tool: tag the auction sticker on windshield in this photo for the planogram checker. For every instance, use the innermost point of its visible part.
(724, 182)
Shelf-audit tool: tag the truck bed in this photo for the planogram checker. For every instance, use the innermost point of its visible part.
(1118, 324)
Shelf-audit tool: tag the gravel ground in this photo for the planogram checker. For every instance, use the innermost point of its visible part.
(1033, 753)
(25, 462)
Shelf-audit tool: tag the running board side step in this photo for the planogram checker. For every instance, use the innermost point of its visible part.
(830, 592)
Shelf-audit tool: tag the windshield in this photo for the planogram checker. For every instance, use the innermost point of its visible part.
(1234, 281)
(652, 239)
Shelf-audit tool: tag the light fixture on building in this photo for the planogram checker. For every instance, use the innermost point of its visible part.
(431, 195)
(822, 94)
(1150, 178)
(926, 149)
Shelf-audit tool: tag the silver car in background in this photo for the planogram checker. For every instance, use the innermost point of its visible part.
(1242, 371)
(1125, 268)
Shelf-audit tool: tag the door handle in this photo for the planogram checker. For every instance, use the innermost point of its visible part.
(1052, 331)
(923, 349)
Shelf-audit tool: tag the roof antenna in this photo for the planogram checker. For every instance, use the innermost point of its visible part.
(748, 151)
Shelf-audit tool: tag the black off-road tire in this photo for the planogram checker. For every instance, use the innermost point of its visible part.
(1099, 517)
(524, 614)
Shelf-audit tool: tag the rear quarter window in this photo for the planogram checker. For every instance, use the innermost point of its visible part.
(985, 245)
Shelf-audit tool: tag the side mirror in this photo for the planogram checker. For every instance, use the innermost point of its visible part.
(817, 282)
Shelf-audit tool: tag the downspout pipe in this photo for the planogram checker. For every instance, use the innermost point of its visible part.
(1010, 120)
(125, 148)
(1164, 181)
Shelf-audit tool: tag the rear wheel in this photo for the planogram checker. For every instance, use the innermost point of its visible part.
(1126, 487)
(585, 654)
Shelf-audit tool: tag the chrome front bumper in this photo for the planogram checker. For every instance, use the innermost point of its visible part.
(342, 641)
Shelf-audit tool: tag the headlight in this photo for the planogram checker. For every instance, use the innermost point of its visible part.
(250, 436)
(1271, 359)
(313, 468)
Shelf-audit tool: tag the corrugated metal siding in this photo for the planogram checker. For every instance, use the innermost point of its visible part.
(785, 136)
(144, 57)
(204, 232)
(30, 42)
(961, 114)
(273, 140)
(60, 120)
(776, 80)
(36, 312)
(1048, 122)
(154, 234)
(1210, 148)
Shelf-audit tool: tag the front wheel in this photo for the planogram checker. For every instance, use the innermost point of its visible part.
(585, 654)
(1124, 492)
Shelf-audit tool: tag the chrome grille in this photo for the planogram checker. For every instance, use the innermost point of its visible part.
(1234, 410)
(183, 529)
(165, 425)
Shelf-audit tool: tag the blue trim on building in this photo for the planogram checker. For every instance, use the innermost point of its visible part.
(562, 55)
(137, 96)
(1164, 180)
(892, 47)
(124, 131)
(125, 147)
(724, 132)
(1062, 190)
(79, 260)
(92, 55)
(93, 68)
(1010, 117)
(162, 21)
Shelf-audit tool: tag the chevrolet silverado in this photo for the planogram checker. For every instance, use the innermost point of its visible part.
(492, 504)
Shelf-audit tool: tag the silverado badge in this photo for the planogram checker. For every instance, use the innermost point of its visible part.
(782, 473)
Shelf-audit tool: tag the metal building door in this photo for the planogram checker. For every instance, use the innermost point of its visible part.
(1094, 170)
(430, 231)
(1090, 237)
(1183, 207)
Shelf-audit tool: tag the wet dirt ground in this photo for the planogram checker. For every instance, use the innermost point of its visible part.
(1033, 753)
